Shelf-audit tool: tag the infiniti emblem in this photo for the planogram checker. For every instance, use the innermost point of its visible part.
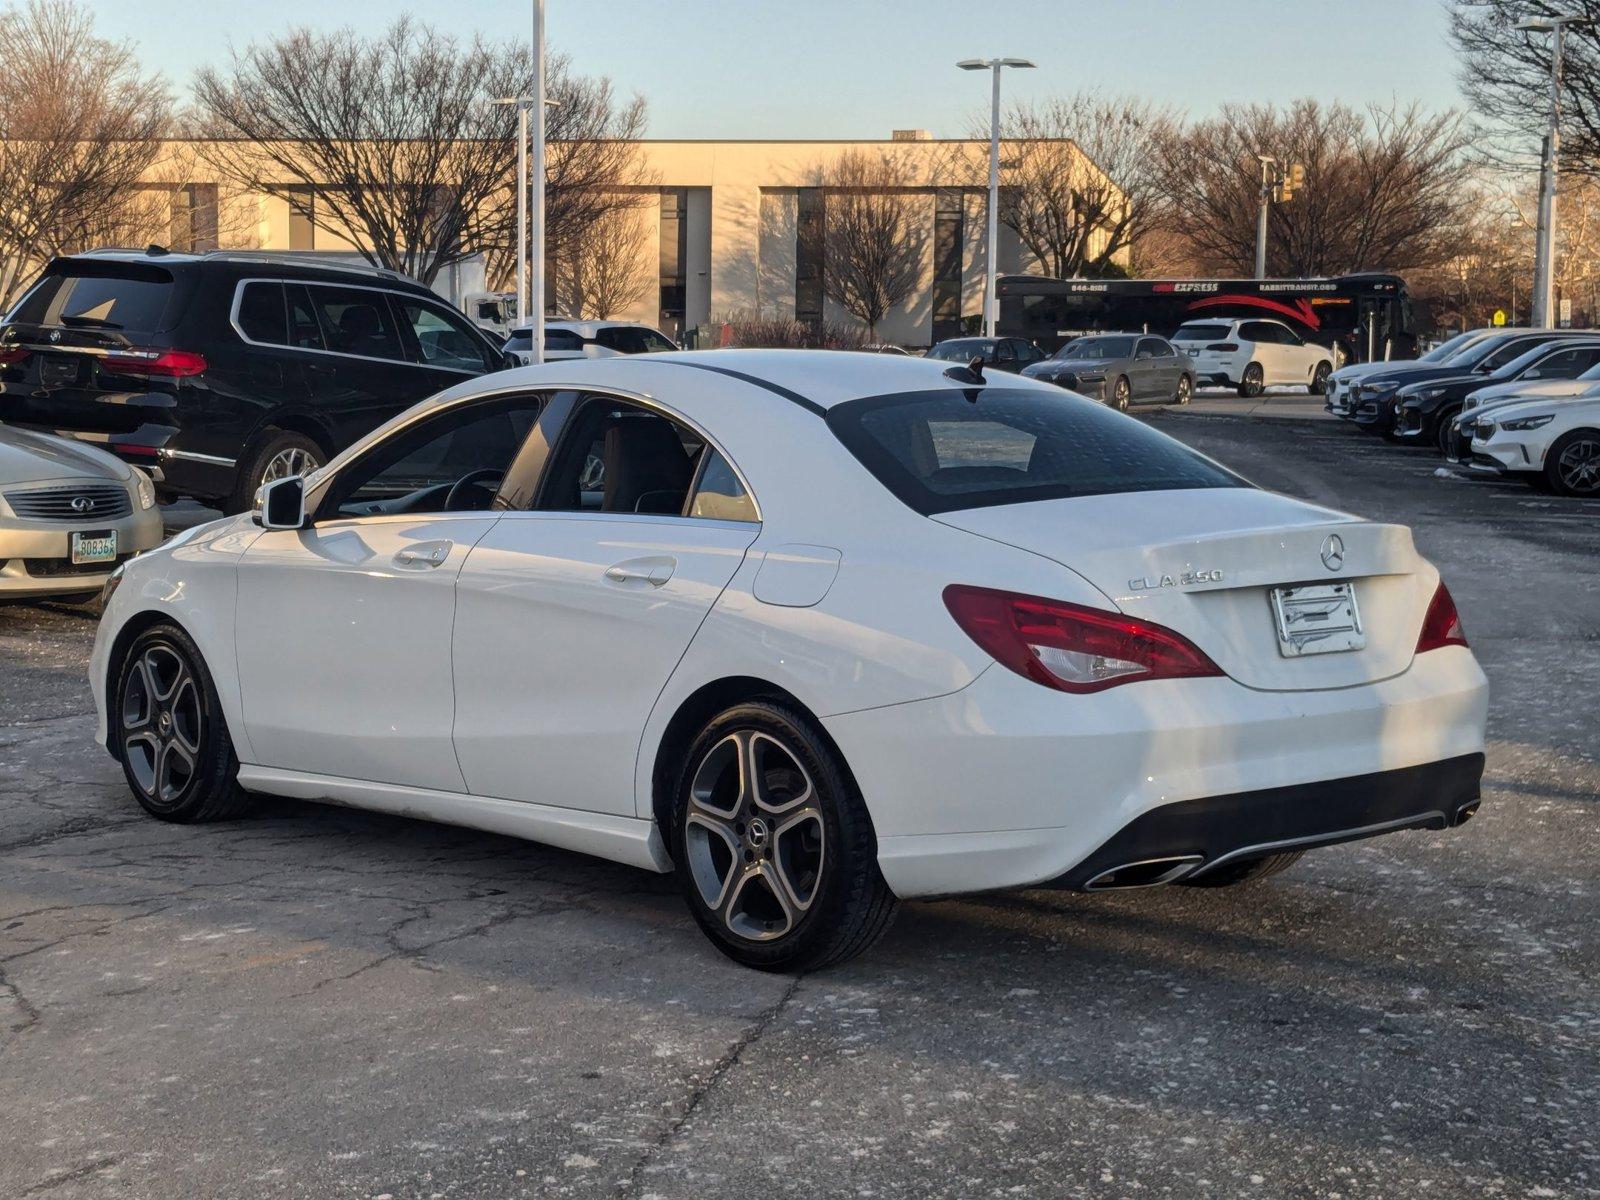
(1333, 552)
(82, 504)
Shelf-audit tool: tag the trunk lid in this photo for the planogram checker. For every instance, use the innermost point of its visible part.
(1206, 562)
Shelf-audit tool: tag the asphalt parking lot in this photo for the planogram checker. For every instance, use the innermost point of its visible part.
(322, 1003)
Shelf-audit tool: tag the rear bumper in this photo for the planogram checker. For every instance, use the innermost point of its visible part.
(1221, 829)
(1006, 784)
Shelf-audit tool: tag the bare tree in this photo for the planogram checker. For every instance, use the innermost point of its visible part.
(80, 123)
(390, 142)
(600, 274)
(1384, 189)
(1080, 178)
(873, 242)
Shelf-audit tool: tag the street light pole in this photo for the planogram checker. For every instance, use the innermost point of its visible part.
(522, 215)
(537, 216)
(992, 243)
(1267, 163)
(1544, 283)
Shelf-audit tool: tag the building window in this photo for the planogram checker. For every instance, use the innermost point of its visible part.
(192, 225)
(674, 255)
(949, 231)
(809, 247)
(302, 218)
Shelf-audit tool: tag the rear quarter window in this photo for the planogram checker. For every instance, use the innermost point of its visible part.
(939, 451)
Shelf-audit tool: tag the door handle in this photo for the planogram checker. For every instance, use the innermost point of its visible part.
(425, 555)
(653, 571)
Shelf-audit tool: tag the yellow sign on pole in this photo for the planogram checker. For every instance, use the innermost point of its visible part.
(1499, 316)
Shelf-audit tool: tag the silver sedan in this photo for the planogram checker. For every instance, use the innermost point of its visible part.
(69, 514)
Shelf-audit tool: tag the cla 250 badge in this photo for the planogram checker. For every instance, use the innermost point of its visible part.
(1184, 579)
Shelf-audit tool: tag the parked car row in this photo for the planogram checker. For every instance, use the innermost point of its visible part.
(1523, 403)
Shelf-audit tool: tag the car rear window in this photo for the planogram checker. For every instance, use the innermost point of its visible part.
(101, 296)
(1200, 333)
(940, 451)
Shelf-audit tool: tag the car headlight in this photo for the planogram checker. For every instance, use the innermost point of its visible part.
(1092, 377)
(1528, 422)
(145, 488)
(1432, 393)
(112, 583)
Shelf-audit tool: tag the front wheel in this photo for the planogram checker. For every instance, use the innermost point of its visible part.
(773, 848)
(1572, 465)
(1185, 390)
(170, 734)
(1121, 393)
(1444, 433)
(1252, 383)
(1319, 379)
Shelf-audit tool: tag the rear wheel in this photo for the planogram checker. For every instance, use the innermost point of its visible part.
(1121, 393)
(1185, 390)
(1572, 465)
(170, 733)
(774, 850)
(1247, 871)
(1251, 383)
(282, 454)
(1319, 379)
(1444, 435)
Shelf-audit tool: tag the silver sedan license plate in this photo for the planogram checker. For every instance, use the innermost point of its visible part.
(1320, 618)
(94, 546)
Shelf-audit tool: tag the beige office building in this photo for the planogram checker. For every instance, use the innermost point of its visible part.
(738, 232)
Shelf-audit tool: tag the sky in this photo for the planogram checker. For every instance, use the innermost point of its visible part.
(858, 68)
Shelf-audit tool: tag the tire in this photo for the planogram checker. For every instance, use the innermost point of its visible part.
(1185, 391)
(170, 734)
(1442, 436)
(1319, 379)
(282, 453)
(1247, 871)
(1251, 382)
(788, 882)
(1121, 393)
(1572, 465)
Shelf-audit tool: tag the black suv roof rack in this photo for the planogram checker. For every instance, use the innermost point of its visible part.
(288, 258)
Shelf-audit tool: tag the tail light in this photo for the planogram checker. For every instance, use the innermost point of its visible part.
(1442, 625)
(1226, 347)
(1068, 647)
(166, 364)
(11, 355)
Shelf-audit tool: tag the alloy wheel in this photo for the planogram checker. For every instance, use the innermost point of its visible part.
(1185, 390)
(288, 462)
(1120, 395)
(754, 835)
(1579, 466)
(161, 724)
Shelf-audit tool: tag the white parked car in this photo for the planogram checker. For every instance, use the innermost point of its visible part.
(69, 513)
(1548, 442)
(589, 339)
(1253, 355)
(816, 631)
(1485, 401)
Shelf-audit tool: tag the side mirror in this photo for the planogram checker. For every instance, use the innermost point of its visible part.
(509, 361)
(281, 504)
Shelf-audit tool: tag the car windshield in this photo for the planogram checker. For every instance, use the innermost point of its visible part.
(1473, 355)
(1200, 333)
(1443, 351)
(940, 451)
(1097, 347)
(962, 349)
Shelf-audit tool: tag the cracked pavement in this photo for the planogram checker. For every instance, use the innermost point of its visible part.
(317, 1002)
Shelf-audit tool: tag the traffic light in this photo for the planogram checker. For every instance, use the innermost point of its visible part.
(1292, 182)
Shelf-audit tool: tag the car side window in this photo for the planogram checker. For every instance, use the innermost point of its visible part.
(560, 339)
(452, 462)
(616, 457)
(1004, 353)
(259, 313)
(356, 321)
(1151, 348)
(1254, 331)
(718, 495)
(305, 331)
(443, 339)
(655, 343)
(621, 339)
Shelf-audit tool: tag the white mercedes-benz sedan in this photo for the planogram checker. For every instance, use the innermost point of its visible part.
(816, 631)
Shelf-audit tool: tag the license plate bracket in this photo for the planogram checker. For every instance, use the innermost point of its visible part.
(1317, 618)
(94, 546)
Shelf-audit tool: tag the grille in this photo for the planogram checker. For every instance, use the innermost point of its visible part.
(49, 568)
(79, 502)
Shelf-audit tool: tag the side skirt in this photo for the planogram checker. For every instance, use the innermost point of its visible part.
(628, 840)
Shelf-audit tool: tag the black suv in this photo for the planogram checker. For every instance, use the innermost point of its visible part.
(216, 372)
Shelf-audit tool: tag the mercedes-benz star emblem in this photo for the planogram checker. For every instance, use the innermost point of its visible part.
(82, 504)
(1333, 552)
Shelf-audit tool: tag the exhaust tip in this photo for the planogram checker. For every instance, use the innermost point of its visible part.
(1466, 812)
(1148, 872)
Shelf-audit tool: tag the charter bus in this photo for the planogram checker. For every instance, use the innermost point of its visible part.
(1366, 316)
